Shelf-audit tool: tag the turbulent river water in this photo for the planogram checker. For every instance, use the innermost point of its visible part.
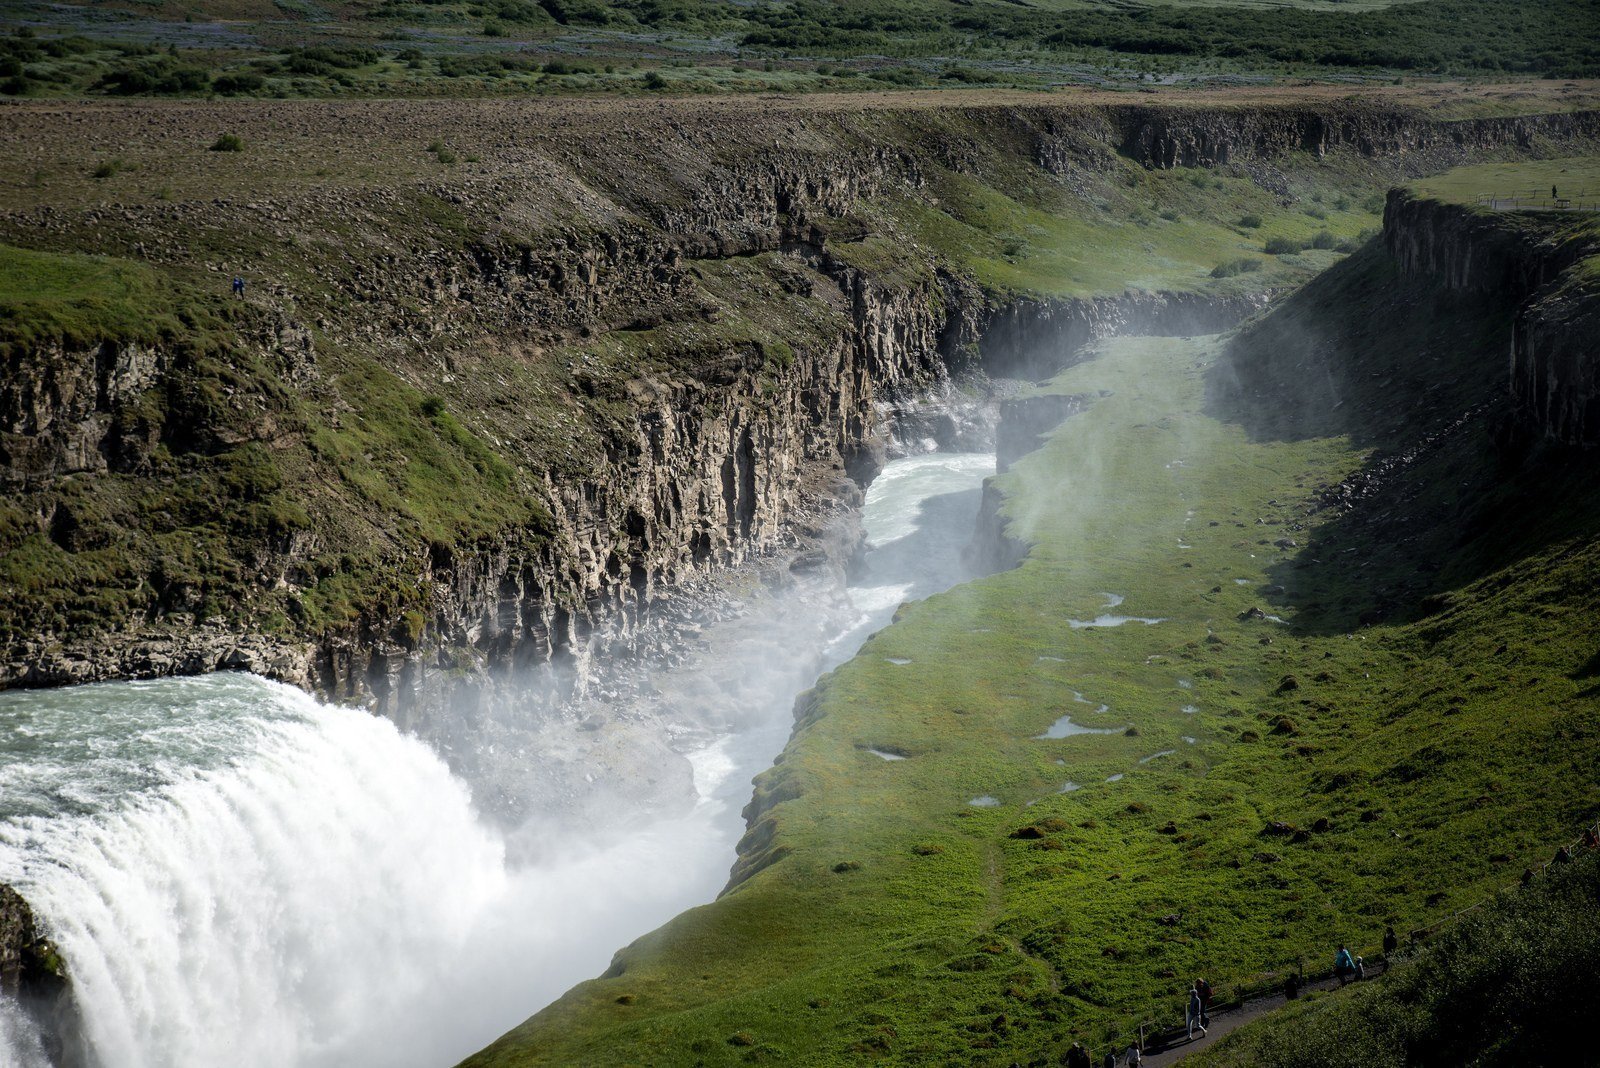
(238, 874)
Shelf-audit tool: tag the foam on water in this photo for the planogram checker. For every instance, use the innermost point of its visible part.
(238, 874)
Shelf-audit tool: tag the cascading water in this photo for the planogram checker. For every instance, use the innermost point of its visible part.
(237, 874)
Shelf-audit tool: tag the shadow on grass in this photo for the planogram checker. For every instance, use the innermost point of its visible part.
(1448, 494)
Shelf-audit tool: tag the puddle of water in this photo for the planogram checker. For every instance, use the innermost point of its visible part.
(896, 660)
(885, 754)
(1068, 786)
(1113, 621)
(1157, 756)
(1185, 684)
(1189, 709)
(1053, 659)
(984, 802)
(1115, 778)
(1278, 619)
(1065, 728)
(1241, 582)
(1188, 739)
(1082, 700)
(1061, 762)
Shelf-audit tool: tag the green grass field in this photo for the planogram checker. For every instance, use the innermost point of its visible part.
(628, 47)
(1417, 757)
(1510, 983)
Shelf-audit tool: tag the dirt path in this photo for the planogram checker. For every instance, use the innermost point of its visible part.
(1225, 1023)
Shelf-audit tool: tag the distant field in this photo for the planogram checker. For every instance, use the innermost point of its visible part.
(479, 47)
(1575, 178)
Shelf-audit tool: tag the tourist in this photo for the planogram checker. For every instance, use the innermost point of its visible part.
(1590, 839)
(1344, 966)
(1110, 1061)
(1203, 988)
(1361, 967)
(238, 286)
(1135, 1055)
(1291, 986)
(1391, 941)
(1078, 1057)
(1193, 1013)
(1563, 856)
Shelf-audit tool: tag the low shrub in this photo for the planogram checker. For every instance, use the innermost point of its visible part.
(1243, 265)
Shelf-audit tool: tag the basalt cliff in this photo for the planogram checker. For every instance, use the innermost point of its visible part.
(475, 428)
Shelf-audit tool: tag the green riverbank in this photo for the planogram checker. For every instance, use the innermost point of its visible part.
(1419, 719)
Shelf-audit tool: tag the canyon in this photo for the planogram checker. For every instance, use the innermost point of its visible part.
(648, 356)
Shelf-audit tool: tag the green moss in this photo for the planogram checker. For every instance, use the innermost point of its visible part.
(75, 299)
(1409, 749)
(1509, 983)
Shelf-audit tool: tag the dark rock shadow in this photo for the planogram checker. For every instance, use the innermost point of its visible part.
(1450, 493)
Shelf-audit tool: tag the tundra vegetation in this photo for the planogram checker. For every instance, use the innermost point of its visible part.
(469, 47)
(1508, 982)
(1368, 701)
(381, 448)
(1369, 695)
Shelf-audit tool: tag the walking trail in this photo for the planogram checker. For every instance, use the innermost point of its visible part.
(1225, 1022)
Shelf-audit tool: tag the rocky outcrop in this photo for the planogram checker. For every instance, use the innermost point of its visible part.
(1539, 264)
(1033, 338)
(993, 548)
(1183, 137)
(34, 977)
(733, 457)
(1025, 421)
(64, 408)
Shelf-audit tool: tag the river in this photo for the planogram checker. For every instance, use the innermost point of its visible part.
(239, 874)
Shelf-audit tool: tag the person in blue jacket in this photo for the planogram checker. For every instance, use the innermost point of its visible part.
(1344, 966)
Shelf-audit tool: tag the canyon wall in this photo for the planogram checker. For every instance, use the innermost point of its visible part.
(746, 457)
(1540, 263)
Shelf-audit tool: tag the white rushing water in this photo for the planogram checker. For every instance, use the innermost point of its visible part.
(238, 874)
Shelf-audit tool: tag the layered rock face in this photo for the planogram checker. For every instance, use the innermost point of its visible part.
(714, 456)
(1536, 262)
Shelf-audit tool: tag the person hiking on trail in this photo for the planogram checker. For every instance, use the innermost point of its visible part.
(1078, 1057)
(1563, 856)
(1291, 986)
(1193, 1013)
(1110, 1061)
(1391, 941)
(1590, 839)
(1203, 988)
(1344, 966)
(1361, 968)
(1135, 1055)
(238, 286)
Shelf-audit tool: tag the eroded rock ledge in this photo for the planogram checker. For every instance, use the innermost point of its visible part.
(625, 224)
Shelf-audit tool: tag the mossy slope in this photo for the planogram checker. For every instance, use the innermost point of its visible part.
(1511, 983)
(1418, 758)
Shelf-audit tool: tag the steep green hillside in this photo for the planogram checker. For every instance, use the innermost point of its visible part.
(1358, 692)
(1511, 984)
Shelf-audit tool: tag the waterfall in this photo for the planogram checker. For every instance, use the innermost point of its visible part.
(239, 874)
